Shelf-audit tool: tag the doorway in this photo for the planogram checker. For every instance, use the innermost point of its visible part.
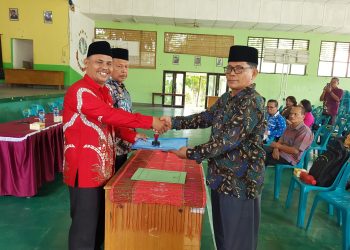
(195, 90)
(173, 89)
(197, 86)
(22, 53)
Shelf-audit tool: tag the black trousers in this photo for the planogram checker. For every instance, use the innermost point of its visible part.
(270, 160)
(87, 210)
(119, 161)
(236, 222)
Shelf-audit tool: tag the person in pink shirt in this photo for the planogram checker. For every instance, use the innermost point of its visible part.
(309, 118)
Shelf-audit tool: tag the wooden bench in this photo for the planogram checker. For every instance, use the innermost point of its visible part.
(34, 77)
(164, 94)
(211, 100)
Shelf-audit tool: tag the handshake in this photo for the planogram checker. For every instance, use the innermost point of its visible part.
(161, 124)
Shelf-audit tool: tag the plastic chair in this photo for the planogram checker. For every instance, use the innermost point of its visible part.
(52, 105)
(59, 103)
(35, 109)
(321, 138)
(341, 124)
(321, 119)
(279, 168)
(269, 141)
(26, 112)
(304, 191)
(340, 199)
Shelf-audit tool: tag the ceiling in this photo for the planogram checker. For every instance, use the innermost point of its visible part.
(318, 16)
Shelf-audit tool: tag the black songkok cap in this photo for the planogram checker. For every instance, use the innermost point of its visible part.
(240, 53)
(120, 53)
(100, 47)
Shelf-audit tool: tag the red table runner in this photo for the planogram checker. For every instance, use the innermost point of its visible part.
(191, 194)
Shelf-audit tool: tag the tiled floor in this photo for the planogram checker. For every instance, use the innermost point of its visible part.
(42, 222)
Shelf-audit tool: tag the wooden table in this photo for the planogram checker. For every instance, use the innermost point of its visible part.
(155, 215)
(29, 158)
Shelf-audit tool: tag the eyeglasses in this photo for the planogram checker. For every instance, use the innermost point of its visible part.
(238, 69)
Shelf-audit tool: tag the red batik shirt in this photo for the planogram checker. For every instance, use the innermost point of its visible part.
(89, 128)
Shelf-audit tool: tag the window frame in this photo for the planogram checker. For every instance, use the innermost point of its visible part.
(110, 34)
(347, 71)
(261, 52)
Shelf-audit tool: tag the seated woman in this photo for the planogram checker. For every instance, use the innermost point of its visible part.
(309, 118)
(290, 102)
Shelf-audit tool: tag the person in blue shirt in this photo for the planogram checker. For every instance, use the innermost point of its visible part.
(276, 123)
(122, 99)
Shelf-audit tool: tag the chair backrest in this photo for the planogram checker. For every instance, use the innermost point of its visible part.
(317, 111)
(322, 135)
(344, 178)
(304, 157)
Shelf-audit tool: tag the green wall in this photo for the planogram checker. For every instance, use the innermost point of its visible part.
(142, 82)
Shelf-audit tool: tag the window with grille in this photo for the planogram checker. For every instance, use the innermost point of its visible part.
(142, 45)
(334, 59)
(197, 44)
(262, 43)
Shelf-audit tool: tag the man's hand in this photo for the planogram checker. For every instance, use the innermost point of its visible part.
(328, 88)
(167, 120)
(159, 126)
(276, 154)
(141, 136)
(181, 153)
(275, 144)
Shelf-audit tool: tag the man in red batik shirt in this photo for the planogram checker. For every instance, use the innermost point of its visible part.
(90, 123)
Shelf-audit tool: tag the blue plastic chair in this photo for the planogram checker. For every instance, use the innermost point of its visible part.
(59, 103)
(321, 138)
(340, 199)
(279, 168)
(35, 109)
(52, 105)
(269, 141)
(321, 119)
(304, 191)
(341, 124)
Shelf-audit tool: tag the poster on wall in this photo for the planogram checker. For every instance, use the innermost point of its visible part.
(47, 16)
(13, 14)
(197, 61)
(176, 59)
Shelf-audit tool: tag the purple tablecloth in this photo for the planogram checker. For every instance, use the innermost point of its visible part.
(28, 158)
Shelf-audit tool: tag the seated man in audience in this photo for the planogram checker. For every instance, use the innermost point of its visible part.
(294, 141)
(276, 123)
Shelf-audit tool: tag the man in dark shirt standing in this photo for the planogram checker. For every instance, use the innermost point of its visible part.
(234, 152)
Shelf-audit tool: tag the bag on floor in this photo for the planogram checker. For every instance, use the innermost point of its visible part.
(327, 165)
